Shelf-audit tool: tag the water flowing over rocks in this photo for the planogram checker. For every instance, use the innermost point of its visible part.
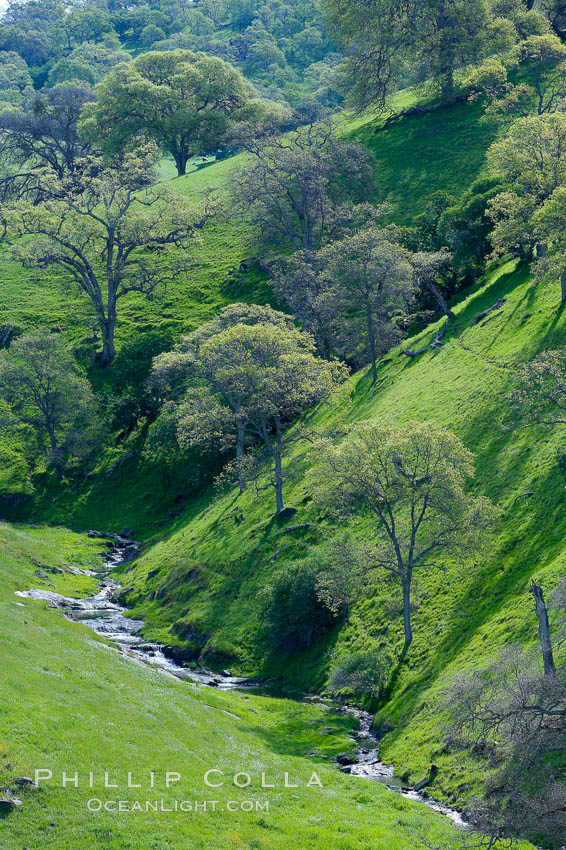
(107, 617)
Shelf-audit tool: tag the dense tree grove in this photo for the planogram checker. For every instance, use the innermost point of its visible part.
(283, 47)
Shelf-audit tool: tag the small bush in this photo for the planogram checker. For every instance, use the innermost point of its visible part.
(361, 672)
(294, 615)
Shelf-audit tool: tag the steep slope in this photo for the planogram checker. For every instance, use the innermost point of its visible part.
(415, 157)
(206, 579)
(68, 703)
(421, 154)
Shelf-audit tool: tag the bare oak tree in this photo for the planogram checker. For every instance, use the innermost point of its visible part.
(410, 478)
(300, 189)
(513, 713)
(109, 235)
(44, 135)
(369, 278)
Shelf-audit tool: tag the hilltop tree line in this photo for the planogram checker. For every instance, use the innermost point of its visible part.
(282, 46)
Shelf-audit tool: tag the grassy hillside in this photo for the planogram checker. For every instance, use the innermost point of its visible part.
(423, 154)
(210, 573)
(69, 703)
(415, 157)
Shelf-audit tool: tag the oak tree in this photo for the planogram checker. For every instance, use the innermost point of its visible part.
(410, 479)
(45, 389)
(184, 101)
(302, 189)
(108, 234)
(254, 379)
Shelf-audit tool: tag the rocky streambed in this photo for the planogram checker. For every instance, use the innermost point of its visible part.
(107, 618)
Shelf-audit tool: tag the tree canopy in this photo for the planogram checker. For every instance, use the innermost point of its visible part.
(184, 101)
(250, 380)
(410, 479)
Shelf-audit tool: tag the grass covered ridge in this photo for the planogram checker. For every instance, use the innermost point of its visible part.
(415, 157)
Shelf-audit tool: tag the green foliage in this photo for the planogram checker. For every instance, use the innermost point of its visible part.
(189, 101)
(409, 480)
(385, 43)
(530, 160)
(465, 227)
(245, 382)
(137, 400)
(545, 56)
(539, 394)
(549, 225)
(89, 62)
(294, 616)
(529, 157)
(15, 79)
(361, 673)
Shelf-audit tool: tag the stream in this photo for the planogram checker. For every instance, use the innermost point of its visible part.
(107, 618)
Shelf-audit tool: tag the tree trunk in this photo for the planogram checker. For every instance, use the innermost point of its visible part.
(240, 457)
(107, 328)
(447, 85)
(108, 348)
(543, 630)
(541, 250)
(55, 452)
(439, 297)
(563, 286)
(372, 345)
(407, 612)
(278, 450)
(181, 160)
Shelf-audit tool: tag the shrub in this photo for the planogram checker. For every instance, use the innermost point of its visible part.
(294, 615)
(361, 672)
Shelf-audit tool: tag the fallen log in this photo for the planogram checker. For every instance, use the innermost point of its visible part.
(489, 310)
(295, 527)
(436, 343)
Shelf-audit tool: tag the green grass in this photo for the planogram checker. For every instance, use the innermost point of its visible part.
(415, 158)
(424, 154)
(68, 702)
(212, 571)
(30, 299)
